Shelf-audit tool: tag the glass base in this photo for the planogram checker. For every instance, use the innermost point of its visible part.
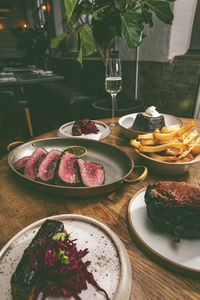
(112, 124)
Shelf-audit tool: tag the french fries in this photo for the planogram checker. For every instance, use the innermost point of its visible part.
(170, 144)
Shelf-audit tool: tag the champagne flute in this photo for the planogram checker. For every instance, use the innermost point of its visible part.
(113, 82)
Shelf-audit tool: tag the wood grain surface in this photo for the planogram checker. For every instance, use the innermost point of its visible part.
(21, 205)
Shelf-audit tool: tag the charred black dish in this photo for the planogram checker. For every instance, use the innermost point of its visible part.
(52, 266)
(174, 207)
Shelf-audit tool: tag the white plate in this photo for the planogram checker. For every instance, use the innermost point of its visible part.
(183, 256)
(110, 263)
(126, 123)
(66, 131)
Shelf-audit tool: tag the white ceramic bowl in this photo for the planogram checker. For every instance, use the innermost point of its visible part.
(126, 122)
(167, 168)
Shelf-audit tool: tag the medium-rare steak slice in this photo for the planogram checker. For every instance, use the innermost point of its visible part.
(47, 167)
(21, 163)
(174, 207)
(91, 174)
(28, 272)
(67, 170)
(33, 163)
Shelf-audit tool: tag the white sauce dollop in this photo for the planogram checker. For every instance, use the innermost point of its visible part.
(151, 112)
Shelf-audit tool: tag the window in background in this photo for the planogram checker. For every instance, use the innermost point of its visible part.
(41, 7)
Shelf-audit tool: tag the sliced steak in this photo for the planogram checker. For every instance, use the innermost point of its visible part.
(47, 167)
(33, 163)
(67, 170)
(26, 274)
(91, 174)
(174, 207)
(21, 163)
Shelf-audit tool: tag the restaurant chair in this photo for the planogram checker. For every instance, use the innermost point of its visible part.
(9, 101)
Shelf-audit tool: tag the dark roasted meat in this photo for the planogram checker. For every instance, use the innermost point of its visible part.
(33, 163)
(67, 170)
(26, 276)
(85, 126)
(53, 267)
(174, 207)
(60, 168)
(91, 174)
(21, 163)
(47, 167)
(148, 124)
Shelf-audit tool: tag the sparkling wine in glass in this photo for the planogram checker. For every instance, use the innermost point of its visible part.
(113, 82)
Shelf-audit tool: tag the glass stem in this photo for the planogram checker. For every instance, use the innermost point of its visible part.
(113, 109)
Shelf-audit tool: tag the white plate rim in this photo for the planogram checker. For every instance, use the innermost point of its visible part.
(152, 252)
(105, 132)
(134, 114)
(125, 281)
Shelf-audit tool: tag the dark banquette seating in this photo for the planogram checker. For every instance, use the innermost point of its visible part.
(76, 96)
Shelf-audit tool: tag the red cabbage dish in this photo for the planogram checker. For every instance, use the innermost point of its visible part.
(63, 271)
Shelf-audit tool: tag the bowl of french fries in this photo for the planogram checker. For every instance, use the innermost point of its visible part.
(171, 150)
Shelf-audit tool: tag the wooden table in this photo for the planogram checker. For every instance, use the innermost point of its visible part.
(21, 206)
(26, 76)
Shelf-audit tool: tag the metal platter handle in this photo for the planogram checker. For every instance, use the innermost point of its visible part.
(140, 178)
(12, 145)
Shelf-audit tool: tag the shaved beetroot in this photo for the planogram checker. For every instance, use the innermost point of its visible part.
(84, 126)
(63, 271)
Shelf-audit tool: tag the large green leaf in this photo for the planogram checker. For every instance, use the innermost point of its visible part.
(123, 4)
(147, 17)
(87, 40)
(134, 13)
(132, 25)
(132, 33)
(69, 8)
(95, 13)
(161, 9)
(80, 56)
(87, 43)
(55, 42)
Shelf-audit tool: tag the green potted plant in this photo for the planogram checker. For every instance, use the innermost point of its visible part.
(96, 23)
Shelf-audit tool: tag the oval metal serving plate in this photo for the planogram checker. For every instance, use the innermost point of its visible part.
(110, 263)
(116, 163)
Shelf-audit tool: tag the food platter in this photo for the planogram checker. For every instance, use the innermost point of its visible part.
(110, 263)
(116, 163)
(66, 131)
(183, 257)
(126, 122)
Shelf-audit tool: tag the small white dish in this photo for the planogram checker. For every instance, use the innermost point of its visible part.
(110, 262)
(183, 256)
(66, 131)
(126, 122)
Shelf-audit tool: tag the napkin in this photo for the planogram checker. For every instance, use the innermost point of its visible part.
(42, 72)
(92, 136)
(8, 79)
(6, 73)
